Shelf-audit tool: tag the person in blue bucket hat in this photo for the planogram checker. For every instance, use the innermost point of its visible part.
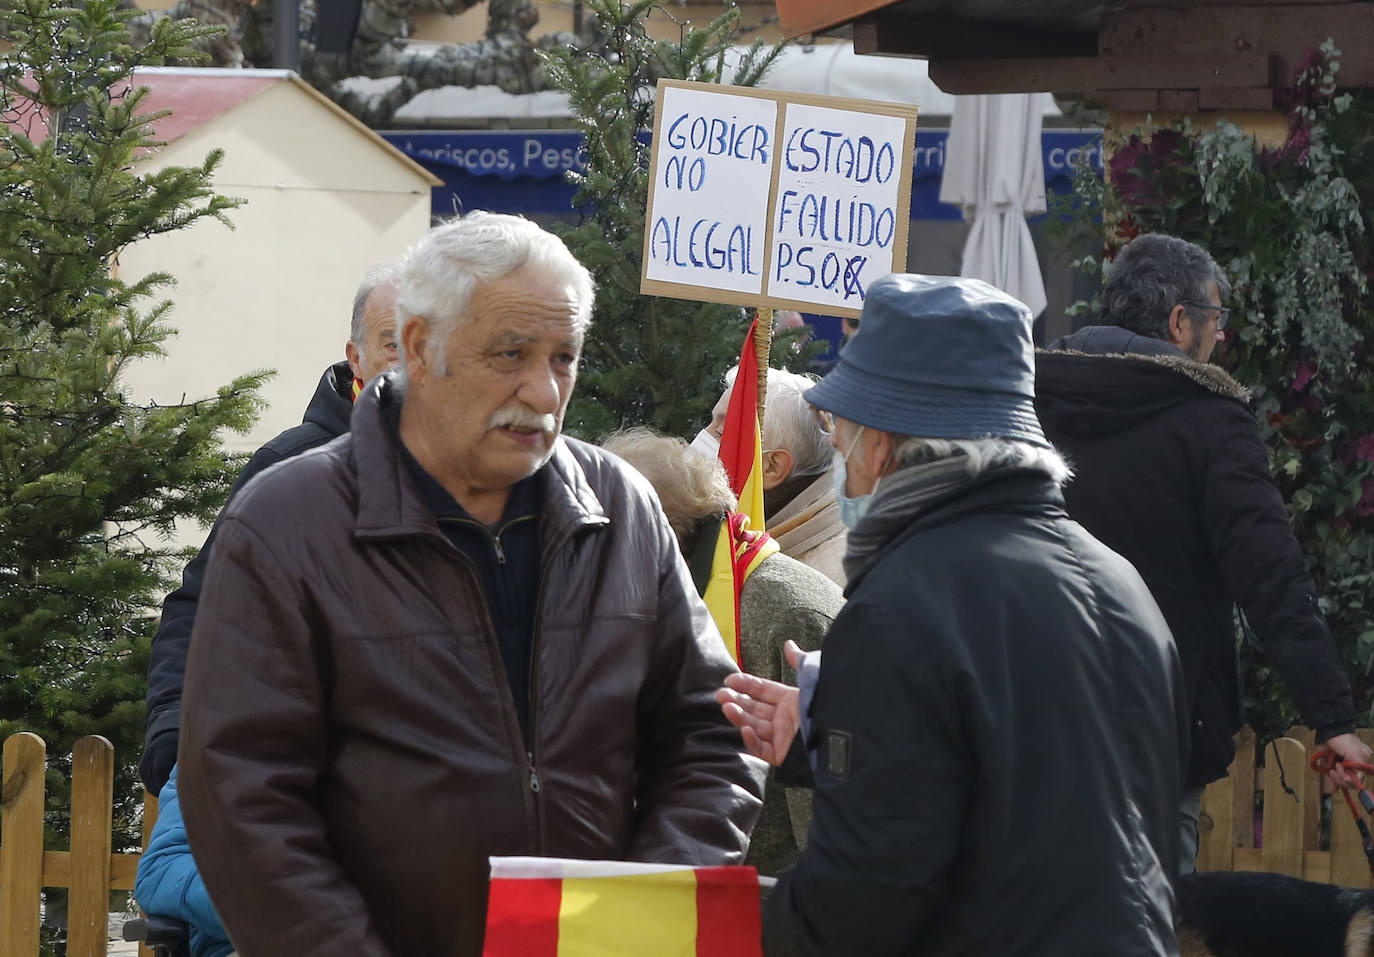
(996, 732)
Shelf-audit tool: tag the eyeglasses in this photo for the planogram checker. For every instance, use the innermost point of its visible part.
(1223, 313)
(824, 420)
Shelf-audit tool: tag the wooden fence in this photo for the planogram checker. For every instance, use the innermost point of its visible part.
(89, 870)
(1291, 823)
(1290, 828)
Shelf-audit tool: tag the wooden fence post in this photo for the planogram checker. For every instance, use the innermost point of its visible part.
(92, 819)
(1242, 774)
(149, 822)
(1215, 823)
(21, 844)
(1283, 807)
(1311, 789)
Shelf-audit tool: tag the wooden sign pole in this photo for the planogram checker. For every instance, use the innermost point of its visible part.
(763, 339)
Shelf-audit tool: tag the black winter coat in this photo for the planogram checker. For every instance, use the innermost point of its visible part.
(998, 744)
(326, 417)
(1172, 473)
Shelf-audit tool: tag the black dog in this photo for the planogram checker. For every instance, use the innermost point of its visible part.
(1244, 914)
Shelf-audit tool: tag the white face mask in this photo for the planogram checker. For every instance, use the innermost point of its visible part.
(852, 508)
(706, 444)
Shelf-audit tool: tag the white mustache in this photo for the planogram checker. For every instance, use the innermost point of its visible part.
(516, 417)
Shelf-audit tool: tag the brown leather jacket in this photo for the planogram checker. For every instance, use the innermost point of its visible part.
(350, 753)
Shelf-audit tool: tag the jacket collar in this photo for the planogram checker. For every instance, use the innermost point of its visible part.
(568, 503)
(389, 505)
(1023, 491)
(810, 519)
(332, 404)
(1116, 345)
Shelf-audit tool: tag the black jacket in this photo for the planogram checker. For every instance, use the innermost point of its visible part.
(325, 418)
(1173, 474)
(998, 747)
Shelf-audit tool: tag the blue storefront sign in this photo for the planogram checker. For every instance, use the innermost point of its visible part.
(524, 172)
(509, 172)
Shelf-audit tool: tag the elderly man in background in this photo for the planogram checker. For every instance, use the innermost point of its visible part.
(451, 634)
(370, 351)
(997, 730)
(798, 492)
(781, 599)
(1173, 474)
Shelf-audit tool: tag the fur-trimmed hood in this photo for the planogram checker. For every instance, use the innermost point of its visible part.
(1105, 378)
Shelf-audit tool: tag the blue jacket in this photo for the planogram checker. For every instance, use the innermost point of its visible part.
(169, 884)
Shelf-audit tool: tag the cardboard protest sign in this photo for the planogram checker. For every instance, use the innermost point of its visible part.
(711, 178)
(775, 200)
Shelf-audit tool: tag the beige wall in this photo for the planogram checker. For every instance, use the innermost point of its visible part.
(324, 203)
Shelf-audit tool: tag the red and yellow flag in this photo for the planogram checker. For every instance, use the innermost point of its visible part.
(548, 907)
(740, 450)
(739, 550)
(742, 543)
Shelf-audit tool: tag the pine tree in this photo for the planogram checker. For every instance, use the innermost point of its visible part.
(90, 481)
(647, 360)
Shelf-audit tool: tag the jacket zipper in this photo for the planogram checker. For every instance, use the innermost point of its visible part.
(494, 536)
(530, 797)
(535, 785)
(535, 782)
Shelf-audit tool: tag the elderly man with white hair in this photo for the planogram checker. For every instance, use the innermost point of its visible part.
(996, 729)
(451, 634)
(799, 504)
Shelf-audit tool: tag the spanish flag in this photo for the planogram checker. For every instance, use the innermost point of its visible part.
(549, 907)
(742, 544)
(740, 450)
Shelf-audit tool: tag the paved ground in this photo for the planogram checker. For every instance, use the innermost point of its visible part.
(118, 947)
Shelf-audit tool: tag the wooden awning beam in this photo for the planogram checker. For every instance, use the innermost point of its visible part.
(887, 32)
(1079, 74)
(1287, 30)
(1226, 54)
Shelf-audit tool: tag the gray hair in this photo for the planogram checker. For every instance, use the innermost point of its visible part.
(691, 486)
(378, 275)
(1150, 276)
(789, 421)
(443, 268)
(985, 454)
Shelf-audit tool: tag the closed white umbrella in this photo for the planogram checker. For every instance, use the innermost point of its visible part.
(994, 172)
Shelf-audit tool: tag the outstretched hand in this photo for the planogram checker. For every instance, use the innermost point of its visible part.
(767, 713)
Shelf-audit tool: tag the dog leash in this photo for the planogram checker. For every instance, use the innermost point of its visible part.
(1325, 761)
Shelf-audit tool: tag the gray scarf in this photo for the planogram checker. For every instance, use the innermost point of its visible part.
(914, 489)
